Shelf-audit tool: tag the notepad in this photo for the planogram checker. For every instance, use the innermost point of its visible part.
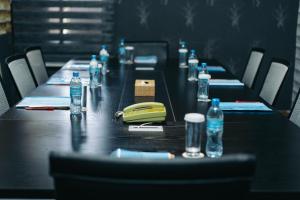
(244, 106)
(53, 102)
(145, 59)
(78, 67)
(225, 82)
(64, 81)
(123, 153)
(215, 69)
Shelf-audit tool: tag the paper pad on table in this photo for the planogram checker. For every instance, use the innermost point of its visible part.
(244, 106)
(64, 81)
(225, 82)
(54, 102)
(145, 59)
(81, 67)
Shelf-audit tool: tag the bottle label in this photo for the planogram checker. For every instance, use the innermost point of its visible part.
(104, 58)
(193, 61)
(122, 51)
(183, 50)
(75, 91)
(215, 124)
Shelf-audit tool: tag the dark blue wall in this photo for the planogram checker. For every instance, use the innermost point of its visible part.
(5, 47)
(222, 29)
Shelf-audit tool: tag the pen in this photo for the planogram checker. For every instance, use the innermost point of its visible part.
(39, 108)
(245, 101)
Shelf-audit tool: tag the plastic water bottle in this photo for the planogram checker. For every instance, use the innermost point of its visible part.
(214, 130)
(203, 68)
(75, 94)
(122, 52)
(183, 51)
(94, 72)
(104, 56)
(193, 66)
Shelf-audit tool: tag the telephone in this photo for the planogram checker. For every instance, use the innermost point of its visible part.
(144, 112)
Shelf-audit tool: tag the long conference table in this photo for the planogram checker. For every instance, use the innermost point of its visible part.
(27, 136)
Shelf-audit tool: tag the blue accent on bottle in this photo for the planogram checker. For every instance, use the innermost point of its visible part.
(122, 52)
(104, 57)
(94, 72)
(75, 94)
(214, 130)
(183, 52)
(203, 68)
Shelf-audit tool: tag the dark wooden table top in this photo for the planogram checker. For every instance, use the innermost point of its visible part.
(27, 137)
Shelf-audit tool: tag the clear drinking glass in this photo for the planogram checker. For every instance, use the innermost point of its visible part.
(203, 87)
(129, 54)
(193, 72)
(194, 123)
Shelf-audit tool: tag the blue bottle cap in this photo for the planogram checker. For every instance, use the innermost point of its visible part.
(193, 51)
(75, 74)
(103, 46)
(122, 40)
(204, 65)
(93, 56)
(215, 101)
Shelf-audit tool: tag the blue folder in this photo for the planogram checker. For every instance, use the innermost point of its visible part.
(145, 59)
(244, 106)
(225, 82)
(215, 69)
(122, 153)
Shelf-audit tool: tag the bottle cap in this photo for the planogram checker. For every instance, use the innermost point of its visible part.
(193, 51)
(194, 117)
(215, 101)
(204, 64)
(103, 46)
(93, 56)
(75, 74)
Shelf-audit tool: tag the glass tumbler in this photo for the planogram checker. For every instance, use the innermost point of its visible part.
(129, 55)
(194, 124)
(203, 87)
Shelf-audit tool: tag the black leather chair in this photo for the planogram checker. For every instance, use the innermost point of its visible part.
(151, 48)
(294, 115)
(78, 176)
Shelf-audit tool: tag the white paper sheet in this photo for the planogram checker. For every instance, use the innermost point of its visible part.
(54, 102)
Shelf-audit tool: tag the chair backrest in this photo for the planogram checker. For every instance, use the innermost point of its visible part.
(4, 106)
(151, 48)
(252, 67)
(295, 111)
(21, 74)
(85, 177)
(273, 81)
(36, 62)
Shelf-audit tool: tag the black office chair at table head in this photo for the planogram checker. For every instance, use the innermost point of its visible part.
(85, 177)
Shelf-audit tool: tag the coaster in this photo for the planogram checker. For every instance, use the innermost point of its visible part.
(198, 155)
